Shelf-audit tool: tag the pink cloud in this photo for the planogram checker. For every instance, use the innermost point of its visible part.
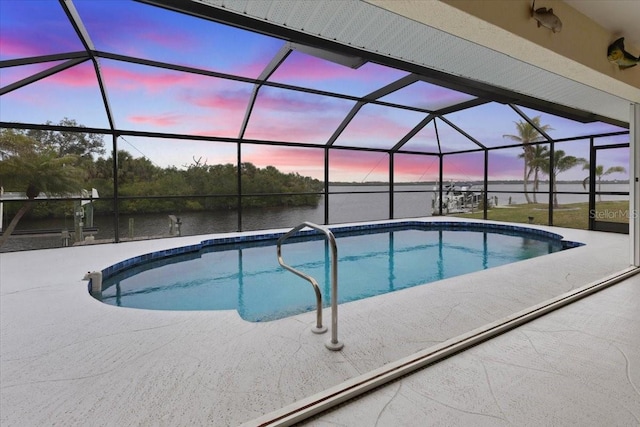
(307, 119)
(226, 99)
(23, 42)
(78, 76)
(297, 134)
(375, 128)
(344, 164)
(151, 80)
(160, 120)
(13, 74)
(358, 166)
(414, 168)
(356, 160)
(407, 168)
(288, 101)
(305, 161)
(82, 75)
(462, 170)
(154, 80)
(11, 46)
(306, 129)
(222, 122)
(288, 156)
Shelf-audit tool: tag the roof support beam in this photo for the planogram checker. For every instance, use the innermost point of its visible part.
(462, 106)
(41, 75)
(44, 58)
(531, 122)
(271, 67)
(71, 12)
(392, 87)
(345, 122)
(413, 132)
(216, 13)
(373, 96)
(469, 137)
(186, 69)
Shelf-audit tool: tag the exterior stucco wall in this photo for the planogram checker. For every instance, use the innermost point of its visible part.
(577, 52)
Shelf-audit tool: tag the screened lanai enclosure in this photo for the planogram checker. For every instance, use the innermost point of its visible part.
(126, 120)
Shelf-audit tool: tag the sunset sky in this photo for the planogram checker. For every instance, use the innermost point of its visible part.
(154, 99)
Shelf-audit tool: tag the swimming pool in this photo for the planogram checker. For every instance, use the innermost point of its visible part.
(242, 273)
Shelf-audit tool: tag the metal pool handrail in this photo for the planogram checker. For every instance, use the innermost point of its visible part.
(334, 344)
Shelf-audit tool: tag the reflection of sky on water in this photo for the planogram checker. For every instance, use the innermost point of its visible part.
(248, 278)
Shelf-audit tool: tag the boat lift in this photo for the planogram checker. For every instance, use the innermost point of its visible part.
(82, 215)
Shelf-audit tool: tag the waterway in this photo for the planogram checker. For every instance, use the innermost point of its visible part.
(369, 203)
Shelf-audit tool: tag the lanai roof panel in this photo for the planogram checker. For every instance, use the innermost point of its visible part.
(11, 75)
(72, 93)
(378, 126)
(488, 123)
(157, 100)
(35, 28)
(153, 33)
(304, 70)
(451, 140)
(427, 96)
(292, 116)
(424, 141)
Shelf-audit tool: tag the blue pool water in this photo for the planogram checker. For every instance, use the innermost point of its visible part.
(372, 260)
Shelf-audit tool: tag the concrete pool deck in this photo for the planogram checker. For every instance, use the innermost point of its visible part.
(66, 358)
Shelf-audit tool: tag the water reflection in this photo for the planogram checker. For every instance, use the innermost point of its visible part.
(247, 277)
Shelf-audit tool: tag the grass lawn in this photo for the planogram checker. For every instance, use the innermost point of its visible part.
(573, 215)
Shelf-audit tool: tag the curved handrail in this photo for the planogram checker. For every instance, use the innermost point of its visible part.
(318, 329)
(334, 344)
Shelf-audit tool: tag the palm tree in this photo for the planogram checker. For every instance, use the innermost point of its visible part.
(600, 172)
(561, 163)
(528, 134)
(36, 171)
(539, 158)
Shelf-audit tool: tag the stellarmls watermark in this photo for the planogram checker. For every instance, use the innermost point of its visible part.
(613, 214)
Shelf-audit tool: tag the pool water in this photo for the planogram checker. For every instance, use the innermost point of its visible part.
(247, 277)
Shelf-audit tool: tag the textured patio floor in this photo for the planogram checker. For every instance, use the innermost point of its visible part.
(577, 366)
(68, 359)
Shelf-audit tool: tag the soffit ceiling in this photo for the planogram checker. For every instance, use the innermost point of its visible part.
(360, 25)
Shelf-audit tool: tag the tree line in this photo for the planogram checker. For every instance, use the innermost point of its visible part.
(199, 187)
(61, 163)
